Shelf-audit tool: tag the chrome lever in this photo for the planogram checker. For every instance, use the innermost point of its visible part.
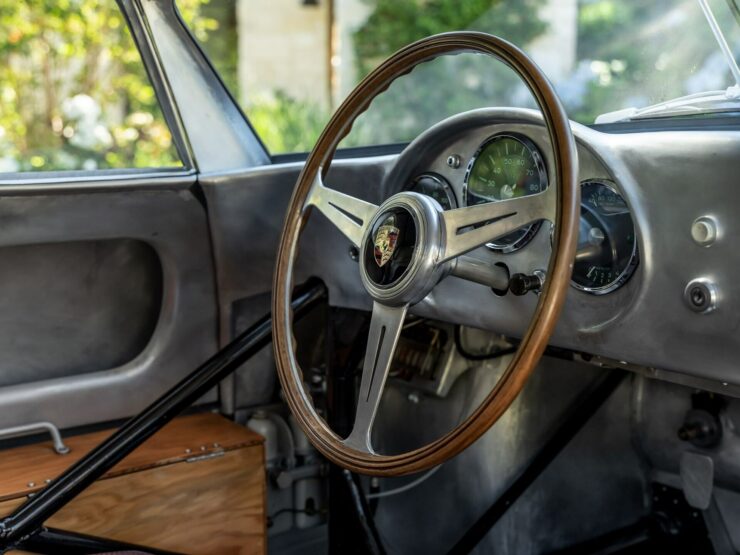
(34, 427)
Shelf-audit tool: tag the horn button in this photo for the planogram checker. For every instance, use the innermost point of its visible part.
(401, 248)
(389, 249)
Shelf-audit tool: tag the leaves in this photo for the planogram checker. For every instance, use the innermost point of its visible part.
(55, 51)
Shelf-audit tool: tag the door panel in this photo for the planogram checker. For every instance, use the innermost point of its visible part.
(108, 296)
(75, 308)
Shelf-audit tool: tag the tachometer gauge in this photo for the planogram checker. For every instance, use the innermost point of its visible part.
(436, 187)
(607, 247)
(506, 166)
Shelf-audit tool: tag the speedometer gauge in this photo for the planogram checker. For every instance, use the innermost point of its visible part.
(506, 166)
(607, 247)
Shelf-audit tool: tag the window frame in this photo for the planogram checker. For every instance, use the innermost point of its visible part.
(136, 26)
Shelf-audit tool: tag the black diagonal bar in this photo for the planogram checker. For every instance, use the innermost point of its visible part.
(575, 417)
(31, 515)
(62, 542)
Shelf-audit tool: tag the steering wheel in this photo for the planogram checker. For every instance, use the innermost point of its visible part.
(407, 245)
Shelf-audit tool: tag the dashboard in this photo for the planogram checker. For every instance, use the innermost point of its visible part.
(510, 165)
(654, 283)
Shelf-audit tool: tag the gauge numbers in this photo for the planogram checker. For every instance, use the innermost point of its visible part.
(506, 166)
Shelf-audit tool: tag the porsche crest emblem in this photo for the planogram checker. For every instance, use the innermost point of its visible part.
(386, 239)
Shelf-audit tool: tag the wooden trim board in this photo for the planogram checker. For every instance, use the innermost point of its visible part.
(198, 486)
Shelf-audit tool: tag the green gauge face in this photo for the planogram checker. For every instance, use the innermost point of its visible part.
(506, 166)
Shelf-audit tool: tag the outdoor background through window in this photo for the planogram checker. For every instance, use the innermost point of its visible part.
(74, 94)
(291, 62)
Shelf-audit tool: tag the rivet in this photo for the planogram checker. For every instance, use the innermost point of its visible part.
(188, 451)
(453, 160)
(31, 484)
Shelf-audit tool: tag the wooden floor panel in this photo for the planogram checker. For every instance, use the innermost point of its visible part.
(196, 487)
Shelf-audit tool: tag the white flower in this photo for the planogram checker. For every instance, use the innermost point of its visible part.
(81, 106)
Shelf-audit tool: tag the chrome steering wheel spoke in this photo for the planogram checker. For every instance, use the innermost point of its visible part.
(468, 228)
(385, 329)
(349, 214)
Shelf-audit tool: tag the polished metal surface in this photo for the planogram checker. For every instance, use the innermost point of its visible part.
(426, 266)
(351, 215)
(385, 328)
(644, 322)
(474, 226)
(478, 270)
(600, 468)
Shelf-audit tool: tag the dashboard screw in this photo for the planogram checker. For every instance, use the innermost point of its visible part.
(697, 297)
(701, 296)
(453, 160)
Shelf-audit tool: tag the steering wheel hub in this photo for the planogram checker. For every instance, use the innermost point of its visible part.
(400, 249)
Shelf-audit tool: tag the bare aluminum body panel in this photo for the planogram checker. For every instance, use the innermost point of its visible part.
(663, 177)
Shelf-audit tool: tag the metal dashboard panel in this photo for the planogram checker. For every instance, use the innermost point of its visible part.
(668, 179)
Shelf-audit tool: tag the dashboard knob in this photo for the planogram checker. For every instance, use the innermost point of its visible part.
(521, 284)
(704, 231)
(701, 296)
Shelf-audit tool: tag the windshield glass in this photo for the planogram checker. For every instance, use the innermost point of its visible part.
(291, 62)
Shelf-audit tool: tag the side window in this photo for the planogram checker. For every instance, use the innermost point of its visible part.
(74, 93)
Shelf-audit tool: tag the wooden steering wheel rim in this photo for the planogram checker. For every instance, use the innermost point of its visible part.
(551, 299)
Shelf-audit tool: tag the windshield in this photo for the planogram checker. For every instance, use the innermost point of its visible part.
(291, 63)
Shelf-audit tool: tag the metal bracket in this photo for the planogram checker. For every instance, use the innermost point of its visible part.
(27, 429)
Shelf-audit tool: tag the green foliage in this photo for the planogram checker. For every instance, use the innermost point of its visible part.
(74, 92)
(286, 124)
(434, 91)
(445, 86)
(396, 23)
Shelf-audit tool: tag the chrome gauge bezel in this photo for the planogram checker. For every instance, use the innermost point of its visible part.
(531, 229)
(446, 187)
(634, 260)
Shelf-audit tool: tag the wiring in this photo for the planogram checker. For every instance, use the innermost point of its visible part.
(405, 487)
(479, 356)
